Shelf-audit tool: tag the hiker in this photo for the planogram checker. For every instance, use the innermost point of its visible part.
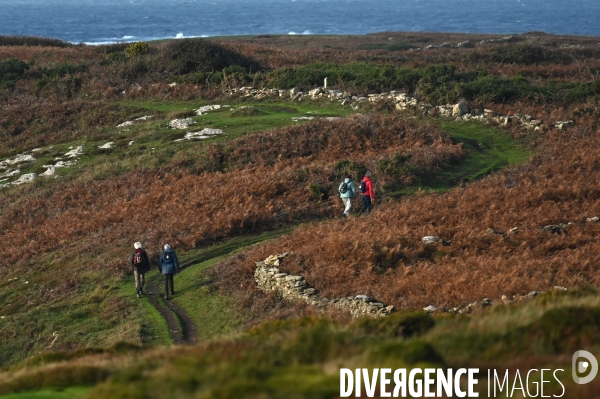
(168, 266)
(347, 193)
(141, 264)
(366, 193)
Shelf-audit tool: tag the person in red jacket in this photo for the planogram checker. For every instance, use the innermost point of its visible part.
(366, 193)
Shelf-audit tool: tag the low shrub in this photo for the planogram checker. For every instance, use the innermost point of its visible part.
(32, 41)
(187, 56)
(401, 324)
(11, 70)
(137, 49)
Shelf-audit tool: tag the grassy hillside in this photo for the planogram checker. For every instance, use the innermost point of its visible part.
(302, 357)
(266, 183)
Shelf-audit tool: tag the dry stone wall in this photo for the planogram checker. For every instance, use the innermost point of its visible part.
(269, 277)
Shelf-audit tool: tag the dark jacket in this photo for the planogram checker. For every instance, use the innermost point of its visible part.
(145, 266)
(369, 191)
(168, 263)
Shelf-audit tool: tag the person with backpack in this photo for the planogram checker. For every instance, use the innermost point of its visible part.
(347, 193)
(168, 265)
(141, 265)
(366, 193)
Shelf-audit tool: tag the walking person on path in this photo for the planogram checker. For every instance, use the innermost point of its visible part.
(347, 193)
(168, 266)
(141, 265)
(366, 193)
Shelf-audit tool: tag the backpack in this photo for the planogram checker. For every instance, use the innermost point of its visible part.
(362, 187)
(344, 187)
(138, 258)
(169, 259)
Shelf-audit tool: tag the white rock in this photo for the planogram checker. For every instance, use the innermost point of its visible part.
(11, 173)
(427, 240)
(51, 169)
(561, 125)
(17, 159)
(107, 146)
(460, 109)
(26, 178)
(126, 123)
(131, 142)
(205, 133)
(206, 108)
(181, 123)
(75, 152)
(143, 118)
(430, 309)
(593, 219)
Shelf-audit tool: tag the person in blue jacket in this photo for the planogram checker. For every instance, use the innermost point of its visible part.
(168, 266)
(347, 193)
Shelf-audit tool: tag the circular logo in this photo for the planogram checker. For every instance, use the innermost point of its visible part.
(588, 366)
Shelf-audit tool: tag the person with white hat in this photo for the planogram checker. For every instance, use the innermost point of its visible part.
(141, 265)
(168, 266)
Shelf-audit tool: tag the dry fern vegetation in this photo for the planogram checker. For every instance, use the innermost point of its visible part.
(70, 323)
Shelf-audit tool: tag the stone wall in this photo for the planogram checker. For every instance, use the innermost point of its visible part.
(269, 277)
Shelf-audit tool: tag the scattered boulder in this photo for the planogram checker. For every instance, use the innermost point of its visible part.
(107, 146)
(460, 109)
(51, 169)
(74, 152)
(205, 133)
(562, 125)
(203, 110)
(561, 228)
(181, 123)
(495, 232)
(16, 160)
(428, 240)
(26, 178)
(125, 124)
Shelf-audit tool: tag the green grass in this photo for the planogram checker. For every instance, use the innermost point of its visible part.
(101, 314)
(301, 358)
(154, 144)
(555, 322)
(489, 149)
(213, 314)
(68, 393)
(272, 115)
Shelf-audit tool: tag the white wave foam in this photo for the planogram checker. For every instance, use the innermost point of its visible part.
(306, 32)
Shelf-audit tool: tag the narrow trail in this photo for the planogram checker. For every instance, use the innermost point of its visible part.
(181, 327)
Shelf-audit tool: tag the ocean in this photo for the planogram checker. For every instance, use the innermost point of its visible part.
(109, 21)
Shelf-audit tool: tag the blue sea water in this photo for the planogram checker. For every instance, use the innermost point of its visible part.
(102, 21)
